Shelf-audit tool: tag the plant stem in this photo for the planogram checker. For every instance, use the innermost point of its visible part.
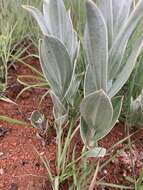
(59, 151)
(93, 182)
(66, 144)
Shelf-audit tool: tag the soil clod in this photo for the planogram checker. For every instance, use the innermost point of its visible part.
(3, 131)
(14, 186)
(24, 162)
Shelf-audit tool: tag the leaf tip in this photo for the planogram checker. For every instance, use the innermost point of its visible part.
(26, 7)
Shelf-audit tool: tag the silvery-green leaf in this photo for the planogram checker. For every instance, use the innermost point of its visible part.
(96, 152)
(39, 18)
(123, 76)
(56, 17)
(60, 24)
(36, 118)
(96, 44)
(59, 110)
(71, 40)
(119, 45)
(106, 8)
(96, 115)
(40, 122)
(86, 133)
(135, 116)
(117, 106)
(121, 10)
(90, 85)
(73, 88)
(138, 84)
(136, 104)
(109, 84)
(56, 65)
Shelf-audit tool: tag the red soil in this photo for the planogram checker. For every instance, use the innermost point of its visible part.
(20, 165)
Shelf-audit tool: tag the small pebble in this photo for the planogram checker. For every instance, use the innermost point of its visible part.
(1, 154)
(24, 162)
(1, 171)
(124, 174)
(42, 153)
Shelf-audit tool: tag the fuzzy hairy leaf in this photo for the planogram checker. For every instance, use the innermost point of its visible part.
(39, 18)
(73, 45)
(56, 65)
(39, 121)
(96, 115)
(121, 10)
(137, 103)
(123, 76)
(117, 105)
(59, 110)
(56, 21)
(71, 94)
(37, 118)
(96, 44)
(135, 116)
(106, 9)
(56, 17)
(97, 152)
(90, 85)
(59, 22)
(119, 45)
